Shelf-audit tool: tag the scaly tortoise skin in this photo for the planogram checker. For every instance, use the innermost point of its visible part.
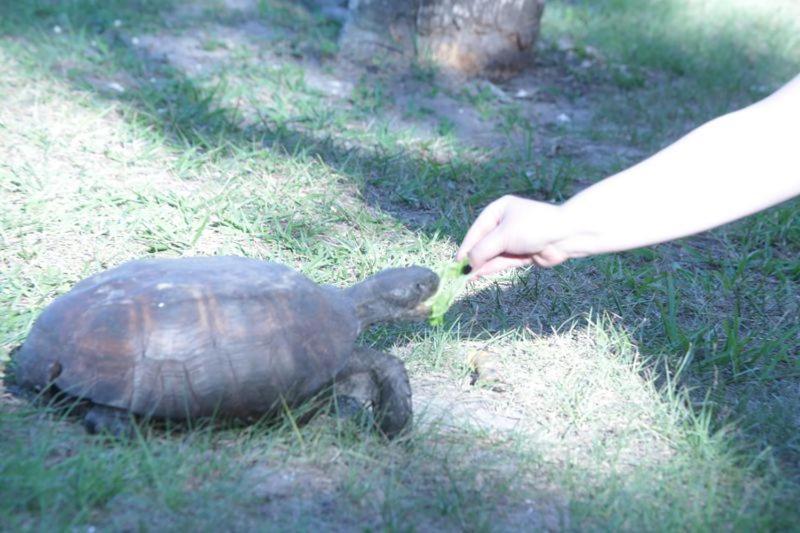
(218, 336)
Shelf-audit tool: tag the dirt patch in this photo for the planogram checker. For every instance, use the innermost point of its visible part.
(564, 392)
(438, 402)
(200, 50)
(474, 113)
(186, 11)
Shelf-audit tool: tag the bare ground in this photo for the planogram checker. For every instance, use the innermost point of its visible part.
(561, 391)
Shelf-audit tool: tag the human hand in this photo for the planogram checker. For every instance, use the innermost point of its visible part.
(512, 232)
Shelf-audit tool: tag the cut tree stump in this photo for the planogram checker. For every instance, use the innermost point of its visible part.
(493, 38)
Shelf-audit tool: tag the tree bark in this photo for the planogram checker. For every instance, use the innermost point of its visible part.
(494, 37)
(472, 37)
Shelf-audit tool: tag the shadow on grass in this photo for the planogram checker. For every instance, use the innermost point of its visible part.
(191, 117)
(447, 194)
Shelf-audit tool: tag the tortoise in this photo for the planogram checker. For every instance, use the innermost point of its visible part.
(235, 337)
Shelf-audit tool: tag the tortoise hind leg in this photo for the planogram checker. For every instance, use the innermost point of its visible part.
(110, 420)
(393, 410)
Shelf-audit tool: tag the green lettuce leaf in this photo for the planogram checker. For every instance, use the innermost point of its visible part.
(452, 280)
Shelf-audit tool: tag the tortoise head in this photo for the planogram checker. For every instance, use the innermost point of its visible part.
(394, 294)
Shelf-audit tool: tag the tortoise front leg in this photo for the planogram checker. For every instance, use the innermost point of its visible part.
(393, 409)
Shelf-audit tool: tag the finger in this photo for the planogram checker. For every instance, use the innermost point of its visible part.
(489, 218)
(493, 244)
(503, 262)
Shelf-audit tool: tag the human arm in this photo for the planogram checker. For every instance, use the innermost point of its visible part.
(728, 168)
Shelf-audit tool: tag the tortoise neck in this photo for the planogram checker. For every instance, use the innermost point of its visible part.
(369, 306)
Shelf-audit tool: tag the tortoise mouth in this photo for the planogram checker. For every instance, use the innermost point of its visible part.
(423, 310)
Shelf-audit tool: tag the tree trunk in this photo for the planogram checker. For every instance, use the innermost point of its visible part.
(472, 37)
(494, 37)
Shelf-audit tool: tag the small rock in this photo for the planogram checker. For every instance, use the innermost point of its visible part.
(117, 23)
(135, 41)
(563, 118)
(57, 29)
(114, 86)
(524, 94)
(328, 85)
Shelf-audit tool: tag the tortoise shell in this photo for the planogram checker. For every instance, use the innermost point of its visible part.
(191, 337)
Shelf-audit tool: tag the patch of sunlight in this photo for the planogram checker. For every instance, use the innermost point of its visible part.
(74, 162)
(786, 10)
(578, 394)
(717, 42)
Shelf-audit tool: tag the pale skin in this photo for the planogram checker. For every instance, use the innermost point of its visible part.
(726, 169)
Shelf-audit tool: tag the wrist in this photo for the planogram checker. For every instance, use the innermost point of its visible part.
(575, 235)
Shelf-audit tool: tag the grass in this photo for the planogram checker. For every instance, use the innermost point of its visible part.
(652, 390)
